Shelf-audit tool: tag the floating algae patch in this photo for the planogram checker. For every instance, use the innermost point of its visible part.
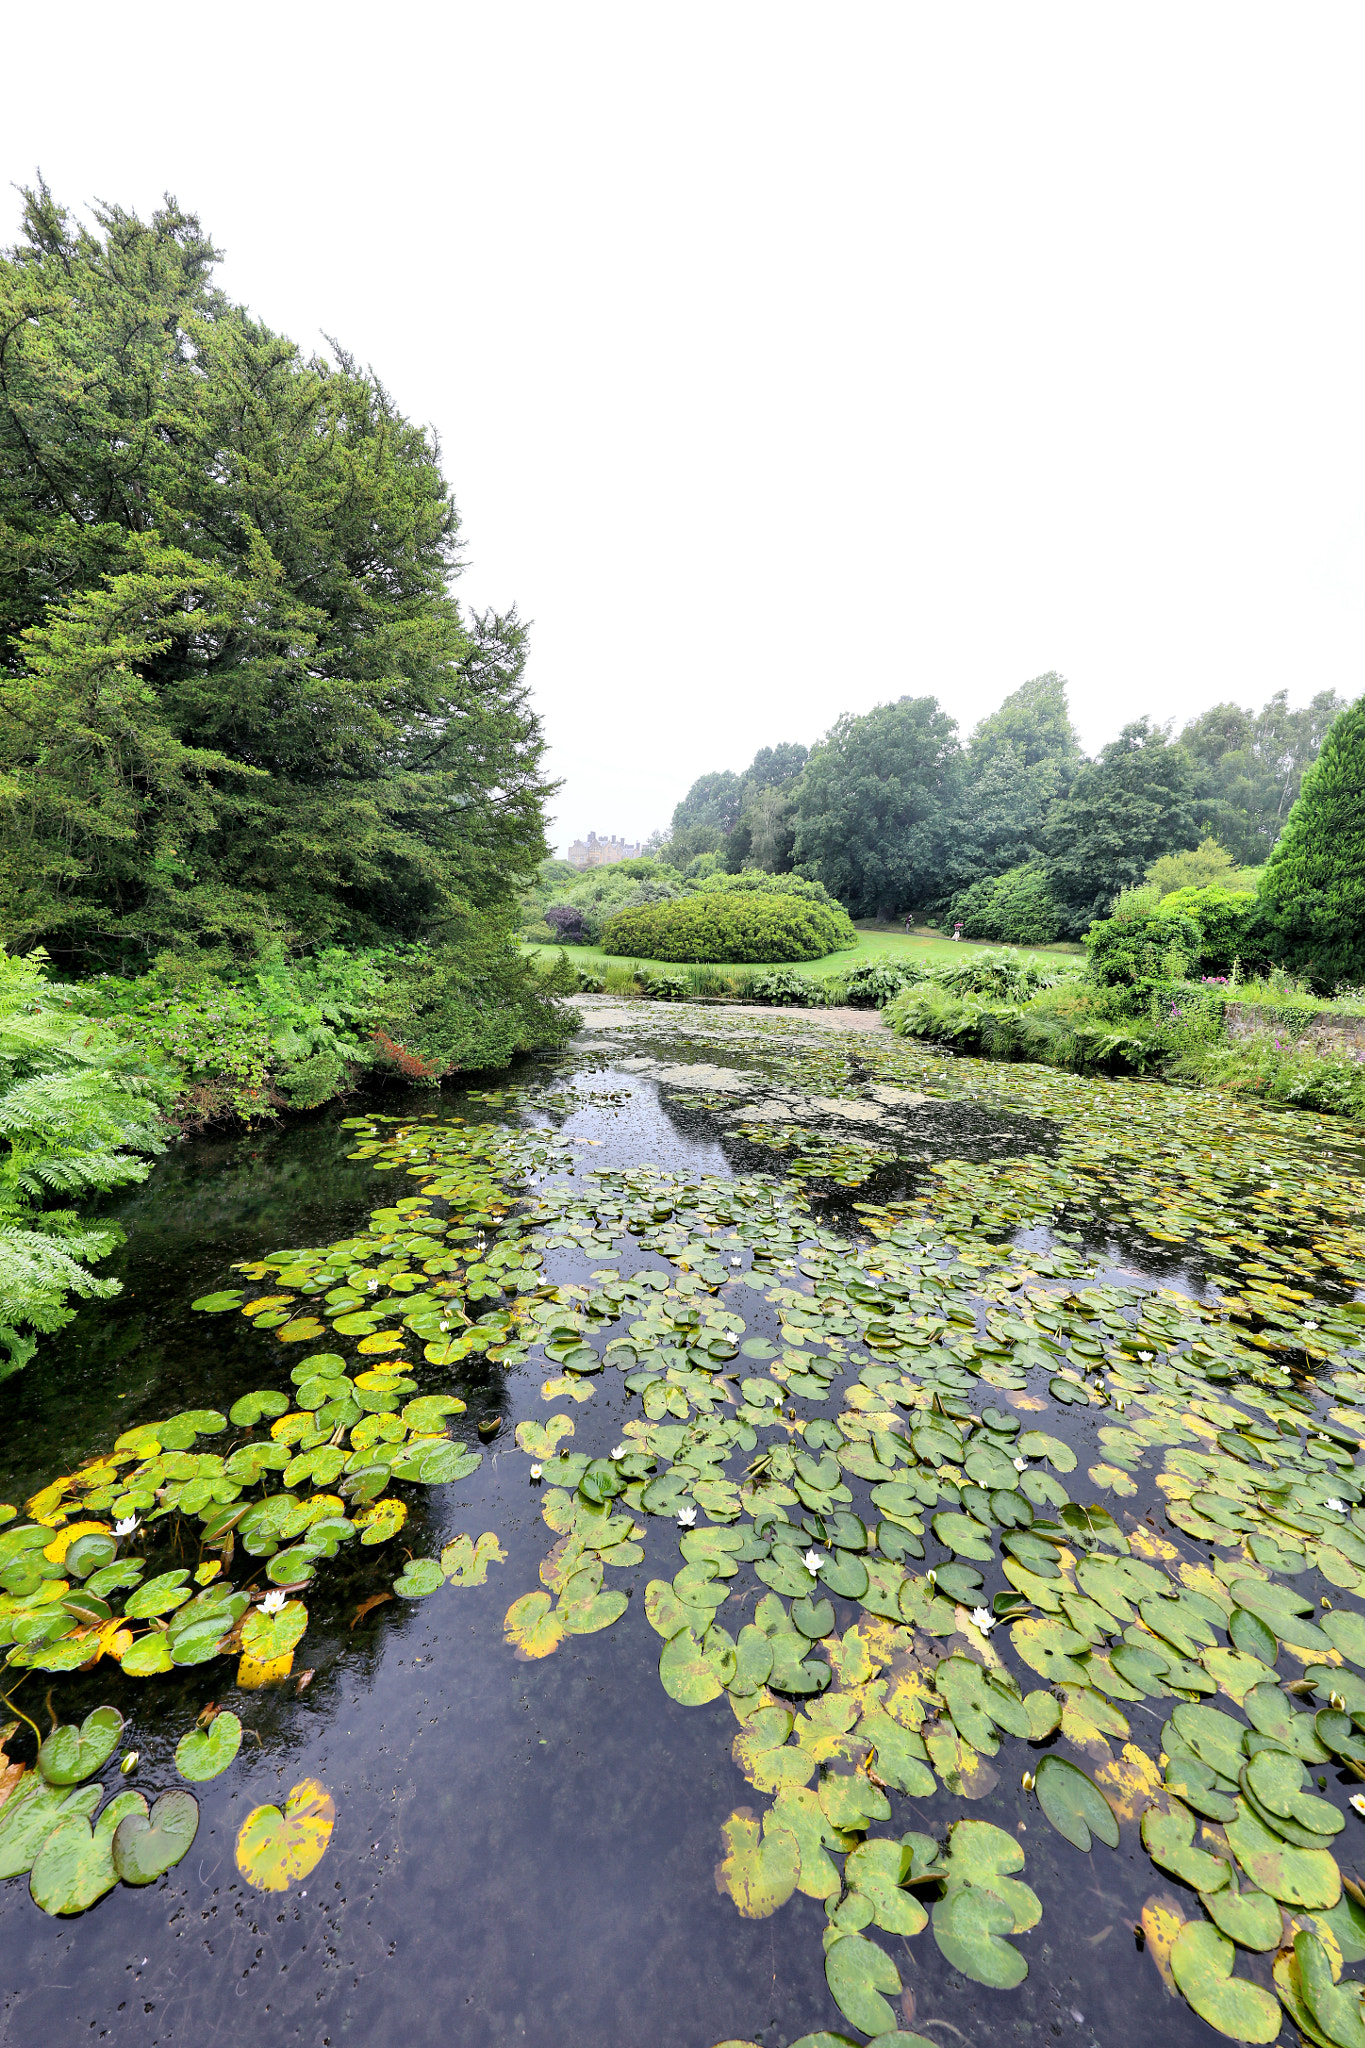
(863, 1621)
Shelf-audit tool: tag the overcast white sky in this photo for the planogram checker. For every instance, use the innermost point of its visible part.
(788, 359)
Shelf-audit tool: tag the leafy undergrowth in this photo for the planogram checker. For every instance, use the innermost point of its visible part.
(1178, 1036)
(96, 1076)
(1144, 1642)
(78, 1117)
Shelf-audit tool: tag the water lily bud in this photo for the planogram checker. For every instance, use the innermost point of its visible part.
(1027, 1781)
(129, 1762)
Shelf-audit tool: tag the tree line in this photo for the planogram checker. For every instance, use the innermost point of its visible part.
(897, 815)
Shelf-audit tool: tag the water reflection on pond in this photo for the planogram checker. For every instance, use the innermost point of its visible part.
(528, 1849)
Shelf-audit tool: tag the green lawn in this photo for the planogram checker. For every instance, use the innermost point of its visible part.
(874, 943)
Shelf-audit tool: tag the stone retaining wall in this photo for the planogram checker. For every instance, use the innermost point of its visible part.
(1330, 1032)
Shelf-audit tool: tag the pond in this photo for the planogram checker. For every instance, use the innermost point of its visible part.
(770, 1532)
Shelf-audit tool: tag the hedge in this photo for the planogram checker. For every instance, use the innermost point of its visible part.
(727, 925)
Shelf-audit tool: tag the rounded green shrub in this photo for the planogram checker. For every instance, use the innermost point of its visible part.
(1149, 946)
(1013, 909)
(1231, 925)
(726, 925)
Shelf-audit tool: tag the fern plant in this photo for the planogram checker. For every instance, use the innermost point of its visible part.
(78, 1118)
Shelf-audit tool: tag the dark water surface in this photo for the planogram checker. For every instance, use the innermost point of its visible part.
(523, 1852)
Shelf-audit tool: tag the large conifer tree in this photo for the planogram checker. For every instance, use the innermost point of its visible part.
(238, 702)
(1313, 889)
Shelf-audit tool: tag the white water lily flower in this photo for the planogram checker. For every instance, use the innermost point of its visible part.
(1146, 1357)
(1021, 1464)
(686, 1517)
(736, 1262)
(372, 1287)
(273, 1602)
(126, 1527)
(812, 1560)
(535, 1471)
(620, 1450)
(1357, 1800)
(983, 1619)
(1338, 1507)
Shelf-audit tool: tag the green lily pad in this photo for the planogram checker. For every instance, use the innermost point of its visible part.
(436, 1463)
(147, 1845)
(70, 1754)
(1252, 1635)
(1036, 1443)
(1250, 1918)
(858, 1972)
(148, 1656)
(89, 1553)
(1168, 1839)
(267, 1636)
(877, 1870)
(1346, 1629)
(30, 1814)
(1282, 1610)
(969, 1927)
(980, 1702)
(1201, 1963)
(689, 1674)
(161, 1595)
(219, 1304)
(963, 1536)
(1297, 1877)
(419, 1576)
(814, 1618)
(901, 1758)
(75, 1865)
(1335, 2008)
(1274, 1783)
(753, 1662)
(206, 1752)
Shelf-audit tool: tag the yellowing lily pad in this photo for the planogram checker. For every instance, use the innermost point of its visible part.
(531, 1629)
(760, 1866)
(274, 1849)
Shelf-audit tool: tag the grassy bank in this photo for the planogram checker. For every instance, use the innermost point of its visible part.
(875, 943)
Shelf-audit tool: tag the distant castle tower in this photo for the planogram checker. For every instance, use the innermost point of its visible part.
(600, 853)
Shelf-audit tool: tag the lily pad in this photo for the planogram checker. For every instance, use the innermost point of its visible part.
(688, 1672)
(531, 1628)
(161, 1595)
(219, 1304)
(30, 1814)
(70, 1754)
(858, 1972)
(877, 1870)
(1201, 1962)
(419, 1575)
(1335, 2008)
(760, 1866)
(75, 1865)
(147, 1845)
(969, 1927)
(1251, 1918)
(1297, 1877)
(274, 1849)
(148, 1656)
(1168, 1839)
(1074, 1803)
(206, 1752)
